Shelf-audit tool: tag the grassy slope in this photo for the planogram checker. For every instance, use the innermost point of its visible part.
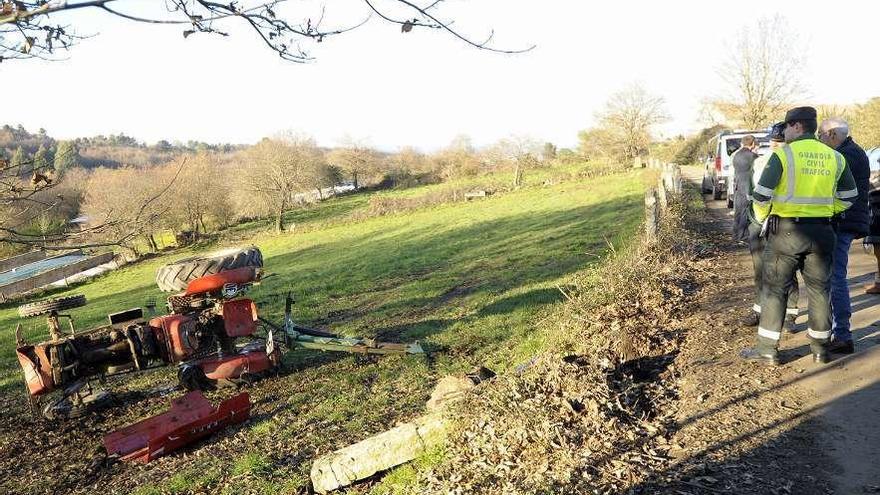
(471, 280)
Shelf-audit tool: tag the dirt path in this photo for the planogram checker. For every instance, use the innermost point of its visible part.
(751, 429)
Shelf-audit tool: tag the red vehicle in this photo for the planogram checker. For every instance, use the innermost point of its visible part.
(211, 333)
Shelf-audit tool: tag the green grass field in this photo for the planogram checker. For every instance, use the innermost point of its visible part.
(472, 281)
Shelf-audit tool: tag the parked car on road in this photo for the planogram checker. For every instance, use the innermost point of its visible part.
(718, 173)
(874, 159)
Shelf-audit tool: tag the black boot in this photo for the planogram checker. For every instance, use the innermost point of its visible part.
(751, 320)
(841, 346)
(755, 354)
(821, 357)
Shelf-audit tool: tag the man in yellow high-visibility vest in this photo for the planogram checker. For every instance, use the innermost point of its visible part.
(804, 184)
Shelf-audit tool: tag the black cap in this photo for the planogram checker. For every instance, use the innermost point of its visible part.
(800, 113)
(777, 132)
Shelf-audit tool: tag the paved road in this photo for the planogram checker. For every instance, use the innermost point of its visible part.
(845, 397)
(849, 396)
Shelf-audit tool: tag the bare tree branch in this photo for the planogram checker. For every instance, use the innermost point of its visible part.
(33, 38)
(763, 74)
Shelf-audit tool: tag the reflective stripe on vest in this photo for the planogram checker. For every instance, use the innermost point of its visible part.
(788, 198)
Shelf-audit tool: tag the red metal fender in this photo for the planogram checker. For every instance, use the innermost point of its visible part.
(191, 417)
(239, 317)
(34, 360)
(234, 366)
(175, 332)
(215, 283)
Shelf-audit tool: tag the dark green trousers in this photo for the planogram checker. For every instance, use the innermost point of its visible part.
(757, 245)
(794, 246)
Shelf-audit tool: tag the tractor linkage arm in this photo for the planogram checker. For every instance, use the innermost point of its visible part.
(296, 335)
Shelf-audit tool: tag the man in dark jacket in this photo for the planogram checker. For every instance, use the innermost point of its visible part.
(873, 237)
(743, 163)
(851, 224)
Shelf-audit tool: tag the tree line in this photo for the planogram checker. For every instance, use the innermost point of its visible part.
(206, 191)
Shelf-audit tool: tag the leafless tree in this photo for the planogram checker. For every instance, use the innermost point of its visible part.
(763, 73)
(124, 204)
(865, 123)
(199, 196)
(599, 144)
(629, 116)
(274, 172)
(409, 160)
(458, 159)
(356, 160)
(325, 175)
(518, 153)
(27, 30)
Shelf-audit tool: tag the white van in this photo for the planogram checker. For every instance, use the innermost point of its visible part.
(874, 159)
(718, 174)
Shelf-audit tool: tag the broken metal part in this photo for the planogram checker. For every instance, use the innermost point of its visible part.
(37, 369)
(307, 338)
(248, 361)
(76, 400)
(190, 418)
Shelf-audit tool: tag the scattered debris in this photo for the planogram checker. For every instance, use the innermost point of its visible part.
(451, 388)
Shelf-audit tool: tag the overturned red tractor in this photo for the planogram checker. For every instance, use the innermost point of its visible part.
(211, 334)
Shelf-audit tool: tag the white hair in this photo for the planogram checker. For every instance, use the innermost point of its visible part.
(837, 124)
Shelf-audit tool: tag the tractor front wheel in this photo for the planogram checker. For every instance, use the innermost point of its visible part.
(174, 277)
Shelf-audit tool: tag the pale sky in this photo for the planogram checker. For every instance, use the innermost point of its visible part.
(423, 88)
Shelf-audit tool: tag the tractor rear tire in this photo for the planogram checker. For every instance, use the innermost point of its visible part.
(176, 276)
(48, 306)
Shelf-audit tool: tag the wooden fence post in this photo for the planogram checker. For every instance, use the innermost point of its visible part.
(676, 178)
(661, 193)
(652, 215)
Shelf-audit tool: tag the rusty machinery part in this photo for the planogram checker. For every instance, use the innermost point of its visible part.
(77, 400)
(174, 277)
(182, 303)
(203, 333)
(192, 377)
(49, 306)
(245, 365)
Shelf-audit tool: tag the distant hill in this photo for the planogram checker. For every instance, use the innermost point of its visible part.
(103, 151)
(11, 138)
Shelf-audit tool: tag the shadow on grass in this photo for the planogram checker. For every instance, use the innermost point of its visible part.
(532, 298)
(402, 273)
(404, 270)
